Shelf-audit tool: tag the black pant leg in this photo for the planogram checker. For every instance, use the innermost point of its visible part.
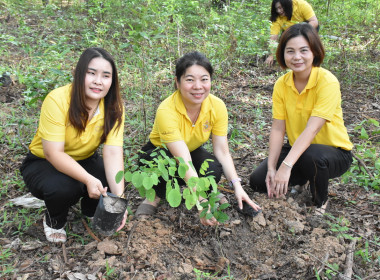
(319, 163)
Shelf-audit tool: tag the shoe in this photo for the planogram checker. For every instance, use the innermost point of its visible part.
(321, 210)
(146, 209)
(54, 235)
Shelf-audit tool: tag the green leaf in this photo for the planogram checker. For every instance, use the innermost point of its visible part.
(222, 217)
(209, 216)
(174, 198)
(190, 201)
(192, 182)
(224, 206)
(148, 183)
(172, 170)
(154, 178)
(363, 134)
(137, 180)
(182, 169)
(119, 176)
(165, 175)
(150, 194)
(128, 176)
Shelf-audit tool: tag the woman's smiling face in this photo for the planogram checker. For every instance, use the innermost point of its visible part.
(194, 85)
(298, 55)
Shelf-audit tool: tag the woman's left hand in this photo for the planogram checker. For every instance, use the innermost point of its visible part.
(123, 221)
(281, 181)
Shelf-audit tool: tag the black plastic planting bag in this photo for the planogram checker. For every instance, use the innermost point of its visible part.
(109, 214)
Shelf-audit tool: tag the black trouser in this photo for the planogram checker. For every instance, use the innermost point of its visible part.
(198, 156)
(317, 164)
(58, 190)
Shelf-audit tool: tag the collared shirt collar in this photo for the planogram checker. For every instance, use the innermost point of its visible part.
(312, 82)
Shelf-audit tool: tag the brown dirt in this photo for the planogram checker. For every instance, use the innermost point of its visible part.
(285, 241)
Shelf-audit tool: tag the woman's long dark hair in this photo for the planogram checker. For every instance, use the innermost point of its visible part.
(113, 105)
(287, 6)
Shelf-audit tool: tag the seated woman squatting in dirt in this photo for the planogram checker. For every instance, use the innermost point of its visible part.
(307, 108)
(184, 122)
(63, 165)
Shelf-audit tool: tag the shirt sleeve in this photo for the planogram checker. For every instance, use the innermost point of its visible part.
(115, 136)
(278, 106)
(168, 125)
(307, 10)
(52, 125)
(220, 127)
(327, 100)
(275, 28)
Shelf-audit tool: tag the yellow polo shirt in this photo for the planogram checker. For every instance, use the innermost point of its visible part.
(302, 11)
(173, 124)
(320, 98)
(54, 126)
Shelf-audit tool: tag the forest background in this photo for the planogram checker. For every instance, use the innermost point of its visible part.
(40, 44)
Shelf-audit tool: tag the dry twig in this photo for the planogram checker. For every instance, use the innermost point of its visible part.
(64, 252)
(90, 231)
(349, 260)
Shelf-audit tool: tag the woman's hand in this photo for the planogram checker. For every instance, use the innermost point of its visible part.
(281, 180)
(270, 182)
(95, 187)
(269, 60)
(123, 221)
(208, 222)
(241, 196)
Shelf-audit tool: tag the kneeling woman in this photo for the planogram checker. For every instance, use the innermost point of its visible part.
(63, 165)
(307, 107)
(184, 122)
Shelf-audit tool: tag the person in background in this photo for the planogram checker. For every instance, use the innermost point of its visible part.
(307, 108)
(285, 13)
(63, 165)
(184, 122)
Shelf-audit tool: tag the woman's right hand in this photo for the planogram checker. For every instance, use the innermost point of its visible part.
(208, 222)
(95, 188)
(269, 60)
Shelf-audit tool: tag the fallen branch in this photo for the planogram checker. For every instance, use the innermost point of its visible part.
(364, 165)
(225, 190)
(90, 231)
(349, 259)
(130, 235)
(372, 276)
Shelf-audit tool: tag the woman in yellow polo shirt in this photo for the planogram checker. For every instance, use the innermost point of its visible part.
(63, 165)
(285, 13)
(307, 108)
(184, 122)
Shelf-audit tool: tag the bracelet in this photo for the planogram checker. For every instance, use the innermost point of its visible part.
(233, 181)
(287, 164)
